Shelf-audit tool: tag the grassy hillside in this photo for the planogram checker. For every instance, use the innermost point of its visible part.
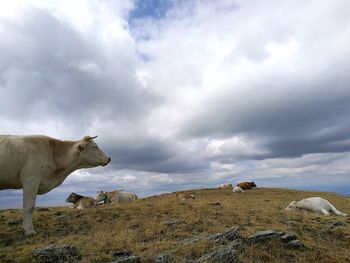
(143, 227)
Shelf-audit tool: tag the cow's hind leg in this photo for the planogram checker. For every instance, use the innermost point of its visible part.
(30, 191)
(335, 211)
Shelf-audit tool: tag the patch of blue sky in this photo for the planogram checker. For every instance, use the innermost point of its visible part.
(155, 9)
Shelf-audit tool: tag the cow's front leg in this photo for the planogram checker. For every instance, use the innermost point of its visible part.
(30, 191)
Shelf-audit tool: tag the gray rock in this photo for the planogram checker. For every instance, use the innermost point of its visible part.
(55, 253)
(236, 245)
(15, 221)
(232, 233)
(286, 237)
(124, 257)
(163, 258)
(262, 236)
(217, 237)
(229, 234)
(223, 255)
(295, 244)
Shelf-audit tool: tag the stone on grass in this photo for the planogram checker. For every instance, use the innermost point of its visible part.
(295, 244)
(289, 240)
(124, 257)
(236, 245)
(223, 255)
(261, 236)
(56, 253)
(286, 237)
(229, 234)
(163, 258)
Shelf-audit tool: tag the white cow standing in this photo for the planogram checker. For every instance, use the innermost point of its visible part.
(315, 204)
(39, 163)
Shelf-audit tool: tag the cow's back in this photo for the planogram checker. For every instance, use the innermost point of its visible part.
(244, 185)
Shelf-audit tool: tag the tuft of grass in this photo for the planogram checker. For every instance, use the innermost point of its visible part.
(142, 227)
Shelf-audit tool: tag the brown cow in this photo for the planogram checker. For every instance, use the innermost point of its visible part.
(246, 185)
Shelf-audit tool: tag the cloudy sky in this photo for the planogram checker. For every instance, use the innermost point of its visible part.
(183, 94)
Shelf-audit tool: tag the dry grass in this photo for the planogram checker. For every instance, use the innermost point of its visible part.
(139, 227)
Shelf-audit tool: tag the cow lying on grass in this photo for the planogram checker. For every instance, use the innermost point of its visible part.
(183, 197)
(39, 164)
(246, 185)
(225, 186)
(237, 189)
(115, 196)
(315, 204)
(81, 202)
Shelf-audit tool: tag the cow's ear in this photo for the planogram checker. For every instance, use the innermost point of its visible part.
(80, 147)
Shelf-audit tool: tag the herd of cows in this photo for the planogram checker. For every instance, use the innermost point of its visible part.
(38, 164)
(239, 188)
(119, 196)
(116, 196)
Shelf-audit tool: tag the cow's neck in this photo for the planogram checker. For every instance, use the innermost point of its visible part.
(66, 157)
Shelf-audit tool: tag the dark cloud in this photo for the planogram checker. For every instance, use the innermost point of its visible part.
(284, 116)
(151, 154)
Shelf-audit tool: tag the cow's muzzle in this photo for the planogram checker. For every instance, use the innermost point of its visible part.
(108, 161)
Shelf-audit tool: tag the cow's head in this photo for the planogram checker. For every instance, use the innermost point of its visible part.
(90, 154)
(292, 205)
(73, 197)
(192, 195)
(252, 184)
(101, 196)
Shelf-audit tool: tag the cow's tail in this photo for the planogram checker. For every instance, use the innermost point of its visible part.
(335, 211)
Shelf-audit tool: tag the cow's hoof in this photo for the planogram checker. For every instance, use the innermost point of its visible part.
(30, 232)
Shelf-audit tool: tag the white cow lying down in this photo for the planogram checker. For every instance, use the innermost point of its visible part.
(115, 196)
(237, 189)
(315, 204)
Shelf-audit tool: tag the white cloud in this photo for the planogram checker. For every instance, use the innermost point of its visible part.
(88, 67)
